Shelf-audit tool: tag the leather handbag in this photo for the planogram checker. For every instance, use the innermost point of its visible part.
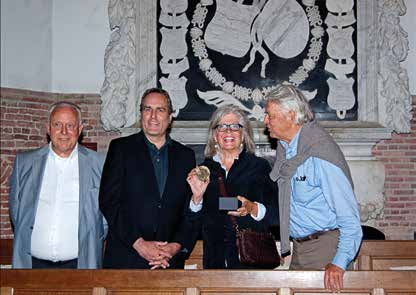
(257, 249)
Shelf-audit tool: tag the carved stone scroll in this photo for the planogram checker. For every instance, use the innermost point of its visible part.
(118, 93)
(393, 79)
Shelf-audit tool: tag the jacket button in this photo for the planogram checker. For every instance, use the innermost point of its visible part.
(31, 227)
(159, 206)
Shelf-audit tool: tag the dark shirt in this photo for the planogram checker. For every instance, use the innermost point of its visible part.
(160, 162)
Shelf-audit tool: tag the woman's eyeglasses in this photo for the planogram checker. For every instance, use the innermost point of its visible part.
(232, 127)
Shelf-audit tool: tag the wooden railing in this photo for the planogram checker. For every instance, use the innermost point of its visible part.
(100, 282)
(373, 255)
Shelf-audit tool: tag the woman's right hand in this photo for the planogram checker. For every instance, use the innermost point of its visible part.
(198, 187)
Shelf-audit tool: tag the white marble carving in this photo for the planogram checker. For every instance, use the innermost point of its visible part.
(339, 20)
(118, 95)
(339, 6)
(341, 96)
(173, 45)
(393, 79)
(340, 70)
(340, 44)
(379, 35)
(174, 7)
(266, 23)
(220, 98)
(176, 89)
(173, 49)
(340, 48)
(174, 69)
(229, 30)
(171, 21)
(283, 26)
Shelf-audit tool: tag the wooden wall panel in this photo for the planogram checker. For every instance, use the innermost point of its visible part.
(388, 262)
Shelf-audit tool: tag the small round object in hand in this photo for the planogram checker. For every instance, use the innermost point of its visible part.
(202, 172)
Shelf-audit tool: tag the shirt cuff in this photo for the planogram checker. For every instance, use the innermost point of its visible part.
(195, 207)
(341, 261)
(261, 211)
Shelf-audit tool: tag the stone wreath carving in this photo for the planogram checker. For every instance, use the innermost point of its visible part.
(255, 16)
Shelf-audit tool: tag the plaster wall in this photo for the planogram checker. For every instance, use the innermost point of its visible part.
(26, 44)
(80, 33)
(58, 46)
(54, 45)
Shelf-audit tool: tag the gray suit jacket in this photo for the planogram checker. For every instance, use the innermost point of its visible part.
(25, 185)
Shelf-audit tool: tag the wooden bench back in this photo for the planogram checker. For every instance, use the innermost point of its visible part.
(373, 255)
(382, 255)
(128, 282)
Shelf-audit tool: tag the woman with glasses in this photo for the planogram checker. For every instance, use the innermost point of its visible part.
(231, 160)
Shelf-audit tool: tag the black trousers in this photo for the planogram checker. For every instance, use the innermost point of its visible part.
(45, 264)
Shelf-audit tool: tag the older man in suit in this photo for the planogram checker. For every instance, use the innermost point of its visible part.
(54, 199)
(144, 194)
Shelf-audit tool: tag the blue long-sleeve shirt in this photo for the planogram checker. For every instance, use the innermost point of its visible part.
(322, 199)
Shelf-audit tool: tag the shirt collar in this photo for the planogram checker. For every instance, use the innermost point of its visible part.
(217, 157)
(73, 155)
(153, 147)
(292, 147)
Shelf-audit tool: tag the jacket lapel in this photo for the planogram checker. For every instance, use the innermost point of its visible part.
(84, 200)
(170, 179)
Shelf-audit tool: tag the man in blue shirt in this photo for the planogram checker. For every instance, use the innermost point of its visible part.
(317, 204)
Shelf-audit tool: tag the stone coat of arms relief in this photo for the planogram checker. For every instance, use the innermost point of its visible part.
(238, 30)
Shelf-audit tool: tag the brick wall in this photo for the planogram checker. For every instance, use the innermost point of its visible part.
(24, 113)
(399, 158)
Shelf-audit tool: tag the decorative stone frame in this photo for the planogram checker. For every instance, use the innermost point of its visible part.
(384, 101)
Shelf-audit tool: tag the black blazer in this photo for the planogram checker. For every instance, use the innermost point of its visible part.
(248, 177)
(130, 200)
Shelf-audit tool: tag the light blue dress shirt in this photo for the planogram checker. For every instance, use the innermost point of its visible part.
(322, 199)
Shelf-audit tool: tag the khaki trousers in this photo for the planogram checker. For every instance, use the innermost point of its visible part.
(315, 254)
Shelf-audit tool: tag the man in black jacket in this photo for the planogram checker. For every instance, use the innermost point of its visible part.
(144, 194)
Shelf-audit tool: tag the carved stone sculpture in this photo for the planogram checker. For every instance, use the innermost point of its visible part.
(118, 95)
(393, 79)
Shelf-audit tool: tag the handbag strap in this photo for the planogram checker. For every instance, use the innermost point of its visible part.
(223, 192)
